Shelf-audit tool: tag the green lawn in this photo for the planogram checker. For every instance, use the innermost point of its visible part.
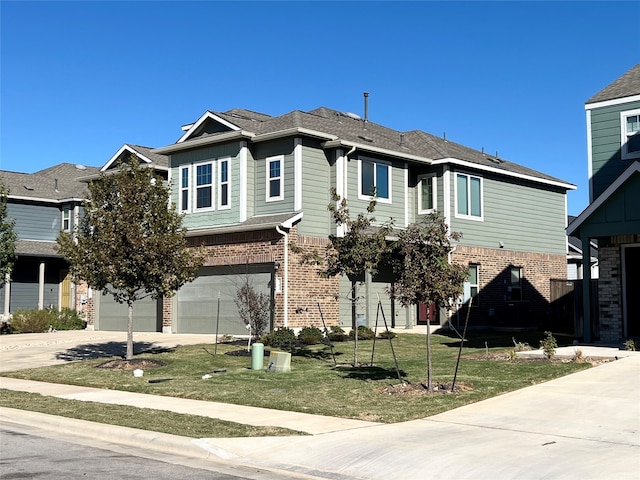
(315, 385)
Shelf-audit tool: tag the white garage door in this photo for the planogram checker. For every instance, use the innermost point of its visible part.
(197, 302)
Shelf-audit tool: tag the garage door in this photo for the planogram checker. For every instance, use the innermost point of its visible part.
(197, 302)
(113, 316)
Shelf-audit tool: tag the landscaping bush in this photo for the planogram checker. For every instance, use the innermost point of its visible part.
(387, 334)
(549, 345)
(310, 336)
(337, 334)
(364, 333)
(38, 321)
(283, 338)
(68, 319)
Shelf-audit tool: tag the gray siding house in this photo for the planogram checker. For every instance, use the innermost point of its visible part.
(42, 204)
(613, 214)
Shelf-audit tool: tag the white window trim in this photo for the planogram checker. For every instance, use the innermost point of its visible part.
(362, 196)
(195, 187)
(188, 189)
(455, 194)
(268, 160)
(67, 217)
(623, 135)
(220, 183)
(434, 199)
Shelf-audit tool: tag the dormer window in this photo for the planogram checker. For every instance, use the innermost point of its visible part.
(630, 134)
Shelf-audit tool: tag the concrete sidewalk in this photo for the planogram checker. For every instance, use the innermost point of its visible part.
(585, 425)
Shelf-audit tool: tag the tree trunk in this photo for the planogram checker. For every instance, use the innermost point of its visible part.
(429, 379)
(130, 334)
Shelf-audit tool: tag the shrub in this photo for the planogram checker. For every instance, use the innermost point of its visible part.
(630, 345)
(549, 345)
(38, 321)
(337, 334)
(283, 338)
(387, 334)
(68, 319)
(32, 321)
(364, 333)
(311, 335)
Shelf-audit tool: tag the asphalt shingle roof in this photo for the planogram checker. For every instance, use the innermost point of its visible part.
(625, 86)
(43, 183)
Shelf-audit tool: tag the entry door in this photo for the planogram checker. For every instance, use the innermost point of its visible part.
(632, 289)
(65, 289)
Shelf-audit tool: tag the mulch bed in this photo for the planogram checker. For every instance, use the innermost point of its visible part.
(132, 364)
(419, 389)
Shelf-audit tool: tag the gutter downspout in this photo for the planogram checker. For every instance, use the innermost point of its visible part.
(285, 235)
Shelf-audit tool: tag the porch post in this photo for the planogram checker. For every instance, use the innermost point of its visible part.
(586, 289)
(41, 287)
(7, 294)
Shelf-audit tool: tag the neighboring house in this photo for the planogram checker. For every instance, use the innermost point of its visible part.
(42, 204)
(574, 257)
(613, 214)
(251, 186)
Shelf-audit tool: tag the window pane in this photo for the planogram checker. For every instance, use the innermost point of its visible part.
(515, 276)
(475, 197)
(274, 169)
(382, 181)
(274, 188)
(473, 274)
(203, 174)
(366, 178)
(463, 208)
(204, 197)
(224, 171)
(426, 194)
(224, 194)
(633, 123)
(185, 178)
(633, 143)
(185, 199)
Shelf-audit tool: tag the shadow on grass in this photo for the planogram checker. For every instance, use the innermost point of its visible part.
(495, 339)
(370, 373)
(324, 354)
(109, 349)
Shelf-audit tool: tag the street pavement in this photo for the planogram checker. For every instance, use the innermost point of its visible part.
(582, 426)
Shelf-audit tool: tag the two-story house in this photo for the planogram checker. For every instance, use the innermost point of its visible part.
(613, 214)
(42, 204)
(252, 185)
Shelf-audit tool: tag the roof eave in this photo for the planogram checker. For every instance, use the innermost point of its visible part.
(369, 148)
(522, 176)
(202, 141)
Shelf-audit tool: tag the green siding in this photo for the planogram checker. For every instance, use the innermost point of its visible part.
(384, 211)
(262, 152)
(606, 159)
(523, 216)
(214, 217)
(35, 222)
(316, 181)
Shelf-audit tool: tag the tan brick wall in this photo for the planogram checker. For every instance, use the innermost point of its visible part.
(537, 270)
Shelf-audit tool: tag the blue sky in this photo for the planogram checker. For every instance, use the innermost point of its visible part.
(80, 79)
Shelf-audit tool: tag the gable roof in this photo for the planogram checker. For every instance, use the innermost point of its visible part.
(339, 129)
(625, 86)
(146, 154)
(574, 226)
(55, 184)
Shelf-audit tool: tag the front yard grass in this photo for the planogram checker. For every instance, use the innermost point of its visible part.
(315, 386)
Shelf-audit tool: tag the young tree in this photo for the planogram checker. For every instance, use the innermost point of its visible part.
(361, 249)
(129, 242)
(423, 272)
(7, 237)
(254, 307)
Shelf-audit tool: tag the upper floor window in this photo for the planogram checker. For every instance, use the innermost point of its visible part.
(630, 129)
(66, 219)
(223, 183)
(204, 185)
(184, 189)
(275, 189)
(374, 179)
(426, 194)
(468, 196)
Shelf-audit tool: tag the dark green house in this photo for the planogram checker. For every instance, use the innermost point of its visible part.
(613, 215)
